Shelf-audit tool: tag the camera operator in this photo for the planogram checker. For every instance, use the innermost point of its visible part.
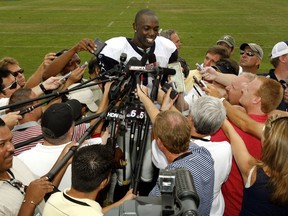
(172, 134)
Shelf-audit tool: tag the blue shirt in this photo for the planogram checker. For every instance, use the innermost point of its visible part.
(201, 166)
(257, 198)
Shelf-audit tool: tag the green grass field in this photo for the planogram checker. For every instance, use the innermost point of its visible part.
(31, 28)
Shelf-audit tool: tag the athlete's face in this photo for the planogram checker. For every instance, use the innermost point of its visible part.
(146, 30)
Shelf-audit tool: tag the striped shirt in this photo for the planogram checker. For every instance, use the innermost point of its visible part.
(201, 166)
(28, 131)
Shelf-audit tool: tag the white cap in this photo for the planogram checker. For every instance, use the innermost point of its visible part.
(281, 48)
(84, 96)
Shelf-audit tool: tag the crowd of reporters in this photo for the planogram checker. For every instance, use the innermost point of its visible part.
(237, 166)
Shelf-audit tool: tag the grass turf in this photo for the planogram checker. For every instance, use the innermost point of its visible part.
(31, 28)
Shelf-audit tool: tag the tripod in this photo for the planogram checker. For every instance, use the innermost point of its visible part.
(134, 138)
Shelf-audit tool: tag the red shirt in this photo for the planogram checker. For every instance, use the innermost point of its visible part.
(233, 188)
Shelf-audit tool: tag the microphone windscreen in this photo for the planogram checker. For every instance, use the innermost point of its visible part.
(152, 58)
(123, 57)
(168, 71)
(144, 59)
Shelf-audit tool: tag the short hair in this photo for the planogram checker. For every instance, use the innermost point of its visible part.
(142, 12)
(275, 62)
(174, 130)
(167, 33)
(20, 95)
(6, 61)
(271, 93)
(208, 114)
(90, 166)
(274, 155)
(219, 50)
(4, 73)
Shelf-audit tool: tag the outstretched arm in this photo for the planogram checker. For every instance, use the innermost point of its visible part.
(59, 63)
(129, 196)
(243, 121)
(242, 157)
(36, 77)
(210, 74)
(150, 107)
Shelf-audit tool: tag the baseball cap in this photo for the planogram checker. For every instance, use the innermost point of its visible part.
(84, 96)
(59, 117)
(255, 47)
(281, 48)
(228, 40)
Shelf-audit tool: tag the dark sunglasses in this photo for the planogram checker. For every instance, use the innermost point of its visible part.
(16, 73)
(11, 86)
(242, 52)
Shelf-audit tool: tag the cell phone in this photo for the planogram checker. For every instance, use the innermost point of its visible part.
(198, 90)
(100, 45)
(84, 65)
(166, 87)
(199, 67)
(61, 52)
(200, 83)
(65, 76)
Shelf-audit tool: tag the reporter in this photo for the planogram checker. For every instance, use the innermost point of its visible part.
(91, 172)
(15, 197)
(266, 187)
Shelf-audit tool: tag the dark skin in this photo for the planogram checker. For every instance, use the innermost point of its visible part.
(146, 30)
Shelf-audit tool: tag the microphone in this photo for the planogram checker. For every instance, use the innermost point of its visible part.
(116, 70)
(150, 66)
(123, 58)
(152, 60)
(161, 70)
(133, 63)
(186, 192)
(144, 59)
(112, 72)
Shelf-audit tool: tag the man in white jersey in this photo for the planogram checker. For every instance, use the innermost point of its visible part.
(149, 48)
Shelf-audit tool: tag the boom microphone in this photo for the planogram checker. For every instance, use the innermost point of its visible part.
(186, 192)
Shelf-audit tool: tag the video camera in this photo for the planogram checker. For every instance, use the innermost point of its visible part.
(178, 197)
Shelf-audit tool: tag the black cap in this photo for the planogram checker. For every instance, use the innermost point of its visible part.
(59, 117)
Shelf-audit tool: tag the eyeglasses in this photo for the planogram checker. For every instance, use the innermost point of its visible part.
(16, 73)
(242, 52)
(11, 86)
